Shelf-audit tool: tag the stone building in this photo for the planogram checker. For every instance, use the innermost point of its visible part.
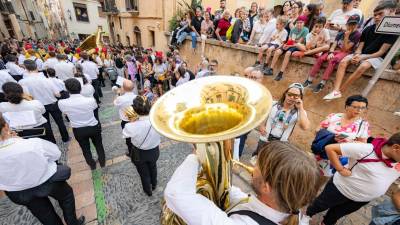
(83, 17)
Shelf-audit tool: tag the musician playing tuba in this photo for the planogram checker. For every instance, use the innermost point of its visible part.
(123, 102)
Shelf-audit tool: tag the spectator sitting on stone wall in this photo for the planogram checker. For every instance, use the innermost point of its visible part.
(337, 20)
(310, 11)
(258, 29)
(269, 29)
(253, 15)
(297, 37)
(223, 26)
(370, 53)
(195, 25)
(238, 27)
(345, 43)
(207, 30)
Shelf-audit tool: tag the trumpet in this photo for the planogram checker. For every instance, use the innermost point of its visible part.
(211, 112)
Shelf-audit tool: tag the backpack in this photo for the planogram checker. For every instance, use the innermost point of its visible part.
(229, 32)
(261, 220)
(322, 139)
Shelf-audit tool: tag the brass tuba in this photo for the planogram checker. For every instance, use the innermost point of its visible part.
(92, 42)
(210, 112)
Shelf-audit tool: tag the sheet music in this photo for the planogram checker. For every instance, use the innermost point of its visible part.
(20, 119)
(120, 81)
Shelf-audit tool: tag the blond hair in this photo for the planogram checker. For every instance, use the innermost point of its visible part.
(293, 176)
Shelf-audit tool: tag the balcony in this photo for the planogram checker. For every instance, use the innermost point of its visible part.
(109, 7)
(132, 6)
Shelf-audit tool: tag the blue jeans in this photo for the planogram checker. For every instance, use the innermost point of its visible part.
(194, 39)
(183, 35)
(384, 213)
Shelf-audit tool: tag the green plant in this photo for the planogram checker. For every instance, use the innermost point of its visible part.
(184, 7)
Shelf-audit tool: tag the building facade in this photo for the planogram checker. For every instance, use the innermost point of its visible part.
(139, 22)
(83, 17)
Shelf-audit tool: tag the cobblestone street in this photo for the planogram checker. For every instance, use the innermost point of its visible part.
(114, 195)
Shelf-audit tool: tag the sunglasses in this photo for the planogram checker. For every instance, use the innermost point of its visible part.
(292, 95)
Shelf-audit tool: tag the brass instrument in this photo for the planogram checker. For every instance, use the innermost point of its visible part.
(131, 114)
(210, 112)
(92, 42)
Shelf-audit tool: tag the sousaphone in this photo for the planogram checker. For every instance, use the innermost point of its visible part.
(210, 112)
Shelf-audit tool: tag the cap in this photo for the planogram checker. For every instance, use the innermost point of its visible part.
(346, 1)
(353, 19)
(302, 18)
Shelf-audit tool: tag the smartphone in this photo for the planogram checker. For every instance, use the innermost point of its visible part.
(343, 136)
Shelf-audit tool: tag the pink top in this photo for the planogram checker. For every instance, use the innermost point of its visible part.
(353, 131)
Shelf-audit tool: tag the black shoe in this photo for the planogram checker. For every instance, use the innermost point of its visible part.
(267, 71)
(149, 193)
(93, 166)
(81, 220)
(279, 76)
(307, 83)
(256, 64)
(318, 88)
(102, 165)
(153, 187)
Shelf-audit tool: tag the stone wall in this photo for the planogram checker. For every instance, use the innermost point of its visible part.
(384, 97)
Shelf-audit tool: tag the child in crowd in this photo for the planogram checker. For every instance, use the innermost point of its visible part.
(297, 38)
(317, 41)
(278, 37)
(345, 42)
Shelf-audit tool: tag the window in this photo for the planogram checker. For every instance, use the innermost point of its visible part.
(32, 15)
(131, 5)
(120, 22)
(153, 38)
(118, 38)
(81, 12)
(138, 36)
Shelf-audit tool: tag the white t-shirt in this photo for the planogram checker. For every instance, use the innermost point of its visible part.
(320, 39)
(268, 31)
(368, 180)
(340, 18)
(258, 30)
(278, 37)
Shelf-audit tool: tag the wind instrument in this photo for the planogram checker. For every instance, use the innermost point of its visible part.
(211, 112)
(131, 114)
(92, 42)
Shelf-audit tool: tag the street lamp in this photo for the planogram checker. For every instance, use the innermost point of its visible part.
(69, 14)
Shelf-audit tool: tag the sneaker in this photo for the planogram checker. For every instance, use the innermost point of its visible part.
(307, 83)
(279, 76)
(267, 71)
(333, 95)
(256, 64)
(304, 219)
(397, 113)
(318, 88)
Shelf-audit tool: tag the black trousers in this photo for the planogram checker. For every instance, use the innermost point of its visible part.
(54, 111)
(83, 135)
(335, 202)
(101, 76)
(37, 201)
(97, 90)
(147, 168)
(127, 140)
(49, 136)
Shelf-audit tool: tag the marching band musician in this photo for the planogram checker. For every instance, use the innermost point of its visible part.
(16, 103)
(42, 89)
(15, 70)
(64, 69)
(122, 102)
(4, 78)
(80, 111)
(90, 68)
(29, 175)
(145, 141)
(285, 179)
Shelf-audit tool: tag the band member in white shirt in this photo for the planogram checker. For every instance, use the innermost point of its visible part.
(15, 70)
(85, 126)
(51, 61)
(145, 140)
(90, 68)
(29, 176)
(64, 69)
(4, 78)
(42, 89)
(16, 103)
(285, 180)
(122, 102)
(100, 65)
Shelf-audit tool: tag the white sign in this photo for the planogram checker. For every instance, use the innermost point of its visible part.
(389, 25)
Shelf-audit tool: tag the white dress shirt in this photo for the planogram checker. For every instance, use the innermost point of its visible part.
(122, 102)
(26, 163)
(99, 62)
(64, 70)
(90, 68)
(87, 90)
(33, 105)
(14, 69)
(79, 110)
(21, 59)
(181, 197)
(4, 78)
(40, 88)
(58, 83)
(138, 131)
(39, 62)
(50, 63)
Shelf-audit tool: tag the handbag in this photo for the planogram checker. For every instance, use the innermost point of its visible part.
(134, 154)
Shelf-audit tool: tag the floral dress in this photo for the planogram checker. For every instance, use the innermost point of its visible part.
(357, 129)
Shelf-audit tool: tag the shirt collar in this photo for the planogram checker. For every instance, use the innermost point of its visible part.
(75, 95)
(7, 142)
(143, 118)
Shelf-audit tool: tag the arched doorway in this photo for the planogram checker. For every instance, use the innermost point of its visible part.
(138, 36)
(128, 41)
(118, 38)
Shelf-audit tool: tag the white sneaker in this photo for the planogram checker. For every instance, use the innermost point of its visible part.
(397, 113)
(333, 95)
(304, 219)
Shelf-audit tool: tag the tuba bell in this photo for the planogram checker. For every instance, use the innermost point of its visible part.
(210, 112)
(92, 42)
